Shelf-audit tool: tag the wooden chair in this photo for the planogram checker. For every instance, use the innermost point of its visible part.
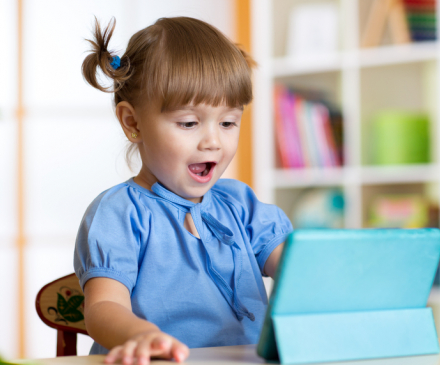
(60, 304)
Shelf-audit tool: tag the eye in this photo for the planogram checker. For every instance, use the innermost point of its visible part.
(187, 125)
(228, 125)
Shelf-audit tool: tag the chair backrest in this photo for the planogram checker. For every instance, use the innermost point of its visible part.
(60, 304)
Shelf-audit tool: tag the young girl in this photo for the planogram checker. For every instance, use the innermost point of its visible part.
(174, 257)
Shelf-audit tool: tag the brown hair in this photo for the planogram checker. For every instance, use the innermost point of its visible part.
(177, 61)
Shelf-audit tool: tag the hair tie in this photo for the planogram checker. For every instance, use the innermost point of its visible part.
(116, 62)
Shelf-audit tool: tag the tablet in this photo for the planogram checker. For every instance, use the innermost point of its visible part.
(331, 271)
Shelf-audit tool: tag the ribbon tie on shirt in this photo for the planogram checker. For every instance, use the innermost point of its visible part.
(224, 235)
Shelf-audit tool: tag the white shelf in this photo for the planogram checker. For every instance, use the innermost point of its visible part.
(380, 56)
(291, 66)
(297, 178)
(369, 175)
(400, 174)
(398, 54)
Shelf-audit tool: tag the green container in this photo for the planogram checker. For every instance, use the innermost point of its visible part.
(400, 138)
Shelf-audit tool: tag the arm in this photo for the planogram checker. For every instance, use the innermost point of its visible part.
(270, 267)
(110, 322)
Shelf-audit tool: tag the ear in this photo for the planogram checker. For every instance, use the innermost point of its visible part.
(129, 121)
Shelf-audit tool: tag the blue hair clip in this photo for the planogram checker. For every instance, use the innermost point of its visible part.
(116, 62)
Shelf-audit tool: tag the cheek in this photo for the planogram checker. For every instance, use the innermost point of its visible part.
(231, 144)
(170, 147)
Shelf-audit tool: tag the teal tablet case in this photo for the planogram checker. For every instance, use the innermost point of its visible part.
(352, 294)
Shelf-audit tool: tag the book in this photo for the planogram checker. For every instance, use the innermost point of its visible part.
(322, 145)
(279, 125)
(312, 143)
(423, 3)
(337, 131)
(292, 123)
(308, 130)
(285, 115)
(376, 22)
(300, 111)
(330, 137)
(421, 16)
(398, 23)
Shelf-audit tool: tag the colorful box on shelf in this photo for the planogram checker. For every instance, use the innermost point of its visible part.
(399, 211)
(400, 137)
(352, 294)
(319, 208)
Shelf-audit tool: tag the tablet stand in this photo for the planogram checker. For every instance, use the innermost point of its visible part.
(356, 335)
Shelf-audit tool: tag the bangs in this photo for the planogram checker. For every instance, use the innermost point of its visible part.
(196, 64)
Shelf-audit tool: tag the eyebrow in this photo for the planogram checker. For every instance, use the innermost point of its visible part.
(189, 107)
(176, 108)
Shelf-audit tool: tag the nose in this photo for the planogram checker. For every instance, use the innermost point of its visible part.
(210, 140)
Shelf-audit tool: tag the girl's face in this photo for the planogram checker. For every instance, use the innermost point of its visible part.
(187, 149)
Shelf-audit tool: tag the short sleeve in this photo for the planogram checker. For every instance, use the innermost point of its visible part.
(108, 240)
(267, 226)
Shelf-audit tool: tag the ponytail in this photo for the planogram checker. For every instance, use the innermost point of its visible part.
(102, 57)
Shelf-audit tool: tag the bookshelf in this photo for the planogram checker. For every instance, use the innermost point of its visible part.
(360, 81)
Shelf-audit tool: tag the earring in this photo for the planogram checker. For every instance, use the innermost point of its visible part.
(134, 135)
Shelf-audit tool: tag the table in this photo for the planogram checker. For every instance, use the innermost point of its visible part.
(237, 355)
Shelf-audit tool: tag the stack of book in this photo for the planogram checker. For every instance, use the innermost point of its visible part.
(407, 20)
(309, 132)
(422, 19)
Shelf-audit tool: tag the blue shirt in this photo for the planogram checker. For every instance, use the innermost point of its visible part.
(205, 291)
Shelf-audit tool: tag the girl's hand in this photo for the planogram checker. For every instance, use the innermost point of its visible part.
(146, 345)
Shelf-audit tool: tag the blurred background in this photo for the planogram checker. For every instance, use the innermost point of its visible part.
(342, 133)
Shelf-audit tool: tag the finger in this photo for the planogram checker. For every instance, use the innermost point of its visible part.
(143, 353)
(179, 351)
(159, 343)
(128, 352)
(161, 346)
(114, 355)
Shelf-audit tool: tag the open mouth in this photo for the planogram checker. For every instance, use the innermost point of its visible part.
(202, 172)
(201, 169)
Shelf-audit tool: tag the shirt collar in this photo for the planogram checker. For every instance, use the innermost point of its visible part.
(159, 190)
(166, 194)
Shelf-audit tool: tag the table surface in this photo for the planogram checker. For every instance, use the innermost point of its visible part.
(238, 355)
